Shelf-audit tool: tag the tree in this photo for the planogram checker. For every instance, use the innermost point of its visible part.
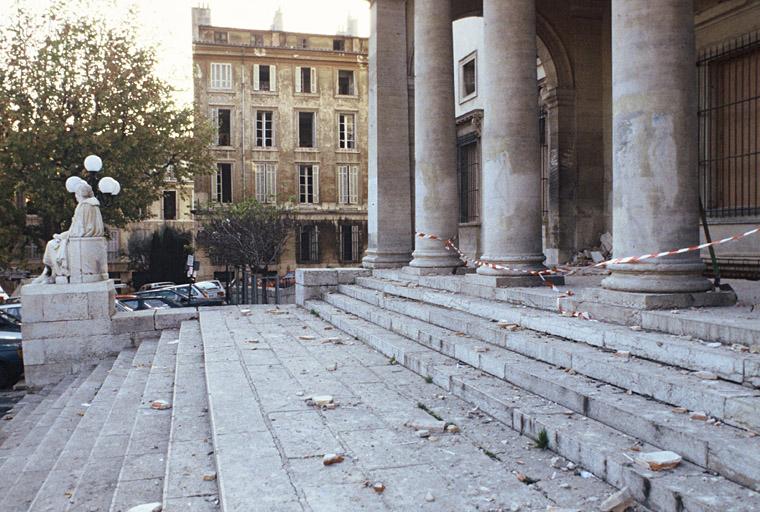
(72, 84)
(246, 234)
(159, 256)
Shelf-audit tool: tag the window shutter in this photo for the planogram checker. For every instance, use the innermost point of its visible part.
(256, 76)
(272, 77)
(315, 182)
(271, 183)
(260, 182)
(341, 245)
(342, 184)
(215, 124)
(313, 80)
(315, 244)
(353, 185)
(298, 79)
(355, 242)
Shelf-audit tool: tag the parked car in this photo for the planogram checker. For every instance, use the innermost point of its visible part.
(156, 286)
(135, 303)
(13, 309)
(211, 288)
(3, 296)
(11, 359)
(180, 299)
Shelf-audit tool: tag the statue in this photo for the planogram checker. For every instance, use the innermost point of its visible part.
(86, 222)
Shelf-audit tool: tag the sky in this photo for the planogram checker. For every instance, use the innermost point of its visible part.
(167, 24)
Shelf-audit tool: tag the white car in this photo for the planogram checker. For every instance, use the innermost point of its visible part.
(3, 296)
(211, 288)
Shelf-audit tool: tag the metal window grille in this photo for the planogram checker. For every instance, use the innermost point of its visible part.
(468, 169)
(308, 244)
(543, 146)
(729, 127)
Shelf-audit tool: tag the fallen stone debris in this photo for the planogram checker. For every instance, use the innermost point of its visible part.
(306, 338)
(618, 502)
(332, 458)
(659, 461)
(160, 405)
(209, 477)
(429, 425)
(147, 507)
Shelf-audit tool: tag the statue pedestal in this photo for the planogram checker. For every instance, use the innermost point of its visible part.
(67, 327)
(88, 259)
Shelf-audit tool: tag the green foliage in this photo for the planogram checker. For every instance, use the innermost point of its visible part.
(248, 234)
(542, 441)
(73, 84)
(159, 256)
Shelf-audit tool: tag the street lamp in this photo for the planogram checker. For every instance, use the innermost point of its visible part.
(106, 187)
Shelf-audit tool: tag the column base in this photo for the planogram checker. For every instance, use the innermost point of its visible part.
(527, 263)
(435, 271)
(515, 281)
(657, 278)
(376, 259)
(437, 259)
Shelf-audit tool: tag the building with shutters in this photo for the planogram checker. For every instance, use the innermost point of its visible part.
(291, 113)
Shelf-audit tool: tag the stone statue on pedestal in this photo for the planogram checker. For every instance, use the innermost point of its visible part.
(86, 223)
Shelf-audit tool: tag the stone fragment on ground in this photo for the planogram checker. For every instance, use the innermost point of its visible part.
(659, 461)
(618, 502)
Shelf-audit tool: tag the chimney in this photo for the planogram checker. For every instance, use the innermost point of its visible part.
(201, 16)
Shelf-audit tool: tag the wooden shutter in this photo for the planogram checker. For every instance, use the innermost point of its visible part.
(271, 183)
(256, 76)
(315, 244)
(298, 79)
(353, 185)
(260, 179)
(215, 123)
(313, 80)
(272, 77)
(343, 184)
(315, 182)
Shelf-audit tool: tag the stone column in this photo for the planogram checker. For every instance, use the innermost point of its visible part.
(511, 187)
(436, 202)
(654, 143)
(389, 190)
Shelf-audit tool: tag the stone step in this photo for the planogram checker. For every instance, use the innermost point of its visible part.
(21, 410)
(604, 451)
(236, 421)
(190, 454)
(18, 430)
(726, 325)
(29, 475)
(62, 479)
(97, 476)
(725, 450)
(739, 367)
(141, 479)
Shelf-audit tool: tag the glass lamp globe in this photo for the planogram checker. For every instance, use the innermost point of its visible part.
(73, 183)
(93, 163)
(108, 185)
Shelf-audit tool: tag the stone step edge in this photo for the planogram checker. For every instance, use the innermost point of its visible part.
(64, 426)
(699, 448)
(113, 379)
(21, 410)
(194, 327)
(739, 367)
(162, 348)
(47, 415)
(658, 491)
(145, 350)
(21, 422)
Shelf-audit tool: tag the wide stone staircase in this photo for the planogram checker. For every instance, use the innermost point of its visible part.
(215, 416)
(603, 392)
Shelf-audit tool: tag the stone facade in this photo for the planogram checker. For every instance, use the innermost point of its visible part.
(587, 172)
(292, 115)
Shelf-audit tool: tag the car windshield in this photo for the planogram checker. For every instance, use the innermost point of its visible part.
(14, 311)
(8, 322)
(156, 304)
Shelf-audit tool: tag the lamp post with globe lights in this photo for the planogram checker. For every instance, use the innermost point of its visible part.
(105, 188)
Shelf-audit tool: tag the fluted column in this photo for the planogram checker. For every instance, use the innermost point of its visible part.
(511, 188)
(434, 135)
(389, 190)
(654, 138)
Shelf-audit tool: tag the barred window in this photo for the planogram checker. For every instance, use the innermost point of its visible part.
(729, 128)
(349, 243)
(468, 169)
(308, 244)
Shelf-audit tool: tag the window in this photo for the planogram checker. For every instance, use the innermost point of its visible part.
(221, 76)
(223, 183)
(347, 131)
(307, 134)
(339, 45)
(729, 128)
(257, 39)
(304, 43)
(468, 77)
(308, 184)
(221, 117)
(220, 37)
(170, 205)
(348, 184)
(348, 240)
(264, 128)
(468, 169)
(308, 244)
(266, 182)
(306, 79)
(346, 82)
(264, 77)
